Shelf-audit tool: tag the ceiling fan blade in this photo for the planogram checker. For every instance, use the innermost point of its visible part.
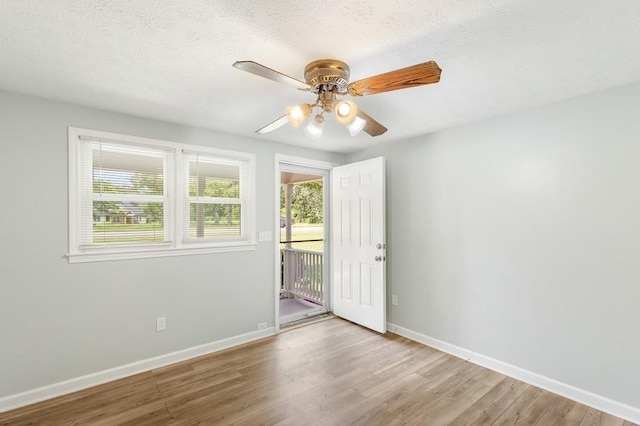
(372, 127)
(273, 125)
(262, 71)
(415, 75)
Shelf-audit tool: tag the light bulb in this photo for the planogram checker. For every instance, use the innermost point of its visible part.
(343, 109)
(297, 114)
(346, 112)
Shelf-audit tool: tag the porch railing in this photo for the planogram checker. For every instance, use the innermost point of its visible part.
(302, 274)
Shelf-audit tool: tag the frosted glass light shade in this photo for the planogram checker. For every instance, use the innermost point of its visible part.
(297, 114)
(356, 126)
(314, 128)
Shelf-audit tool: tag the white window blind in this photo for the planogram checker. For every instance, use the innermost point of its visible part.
(215, 207)
(124, 194)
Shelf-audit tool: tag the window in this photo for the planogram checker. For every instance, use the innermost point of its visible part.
(124, 194)
(214, 202)
(134, 197)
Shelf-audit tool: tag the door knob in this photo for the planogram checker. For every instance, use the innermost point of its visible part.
(378, 258)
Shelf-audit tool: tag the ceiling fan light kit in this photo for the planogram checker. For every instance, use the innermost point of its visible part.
(346, 112)
(297, 114)
(328, 79)
(314, 128)
(356, 126)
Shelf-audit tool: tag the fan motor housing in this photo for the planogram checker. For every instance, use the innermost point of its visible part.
(329, 72)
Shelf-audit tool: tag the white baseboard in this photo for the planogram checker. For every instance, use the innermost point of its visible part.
(62, 388)
(598, 402)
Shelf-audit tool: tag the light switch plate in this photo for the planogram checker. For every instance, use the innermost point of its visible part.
(264, 236)
(161, 324)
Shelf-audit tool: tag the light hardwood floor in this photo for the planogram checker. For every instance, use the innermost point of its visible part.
(328, 373)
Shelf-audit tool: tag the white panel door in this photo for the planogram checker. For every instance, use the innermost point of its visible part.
(358, 239)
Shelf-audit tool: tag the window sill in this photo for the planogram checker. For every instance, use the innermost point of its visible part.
(101, 256)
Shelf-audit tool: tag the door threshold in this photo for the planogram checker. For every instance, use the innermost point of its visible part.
(306, 321)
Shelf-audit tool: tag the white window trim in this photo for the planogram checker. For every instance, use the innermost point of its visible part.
(177, 246)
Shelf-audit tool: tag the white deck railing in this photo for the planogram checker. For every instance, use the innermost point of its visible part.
(302, 274)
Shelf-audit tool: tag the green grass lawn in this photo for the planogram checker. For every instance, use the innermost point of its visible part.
(301, 232)
(126, 227)
(110, 233)
(126, 239)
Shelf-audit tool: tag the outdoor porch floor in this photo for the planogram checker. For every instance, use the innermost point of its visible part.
(293, 306)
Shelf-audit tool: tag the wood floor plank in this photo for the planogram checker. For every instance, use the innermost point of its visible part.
(334, 405)
(398, 392)
(455, 402)
(327, 373)
(575, 415)
(385, 380)
(514, 413)
(534, 411)
(413, 408)
(488, 408)
(91, 403)
(369, 412)
(271, 414)
(598, 418)
(410, 352)
(557, 412)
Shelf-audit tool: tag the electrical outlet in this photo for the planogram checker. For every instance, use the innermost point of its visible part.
(394, 300)
(161, 324)
(262, 325)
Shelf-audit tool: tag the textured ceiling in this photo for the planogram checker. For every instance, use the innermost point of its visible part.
(171, 59)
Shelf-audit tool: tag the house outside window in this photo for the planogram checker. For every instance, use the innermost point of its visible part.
(134, 197)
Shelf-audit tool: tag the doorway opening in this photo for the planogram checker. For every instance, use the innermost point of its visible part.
(303, 246)
(350, 283)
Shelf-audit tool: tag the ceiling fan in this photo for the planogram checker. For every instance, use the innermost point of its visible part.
(328, 79)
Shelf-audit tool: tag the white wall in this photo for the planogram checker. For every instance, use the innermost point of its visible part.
(59, 320)
(519, 238)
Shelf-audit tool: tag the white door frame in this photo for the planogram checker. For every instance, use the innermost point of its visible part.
(324, 166)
